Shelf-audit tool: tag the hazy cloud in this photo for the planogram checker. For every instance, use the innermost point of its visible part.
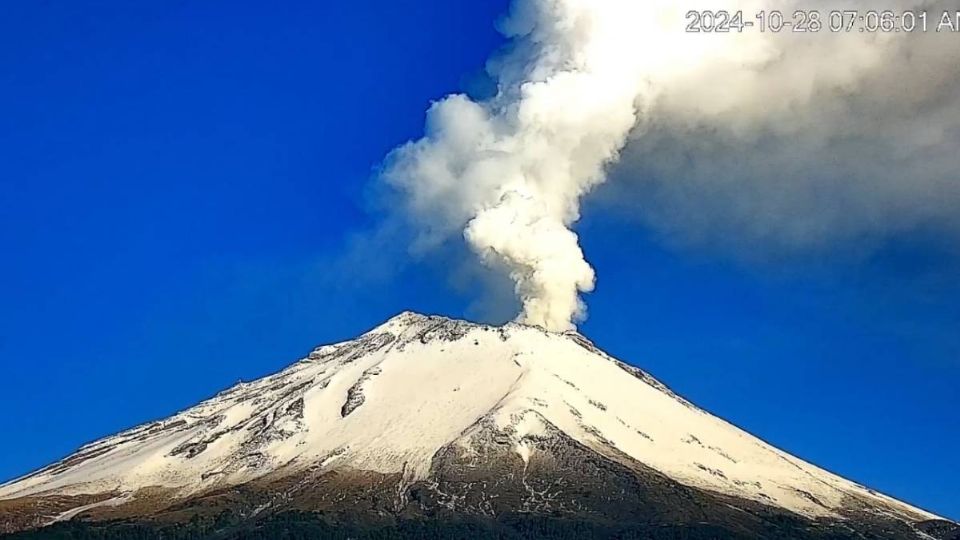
(835, 141)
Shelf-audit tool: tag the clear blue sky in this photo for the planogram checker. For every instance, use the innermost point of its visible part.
(176, 178)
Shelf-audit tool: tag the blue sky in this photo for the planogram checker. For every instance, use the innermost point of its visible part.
(179, 185)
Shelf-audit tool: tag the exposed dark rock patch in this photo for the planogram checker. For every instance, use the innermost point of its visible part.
(355, 396)
(598, 405)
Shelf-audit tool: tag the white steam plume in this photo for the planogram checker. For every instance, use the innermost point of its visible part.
(508, 173)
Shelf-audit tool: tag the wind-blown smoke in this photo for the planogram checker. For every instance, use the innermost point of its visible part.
(834, 145)
(508, 173)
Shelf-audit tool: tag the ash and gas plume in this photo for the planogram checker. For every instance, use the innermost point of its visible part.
(585, 76)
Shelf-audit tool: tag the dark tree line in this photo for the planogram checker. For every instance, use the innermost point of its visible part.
(309, 526)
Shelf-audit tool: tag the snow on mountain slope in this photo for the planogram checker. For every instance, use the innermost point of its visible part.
(389, 400)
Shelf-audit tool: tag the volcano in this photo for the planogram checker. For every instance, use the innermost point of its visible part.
(432, 426)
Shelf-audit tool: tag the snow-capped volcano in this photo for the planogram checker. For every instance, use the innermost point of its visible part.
(419, 400)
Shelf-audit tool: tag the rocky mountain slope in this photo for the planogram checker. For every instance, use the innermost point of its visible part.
(428, 420)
